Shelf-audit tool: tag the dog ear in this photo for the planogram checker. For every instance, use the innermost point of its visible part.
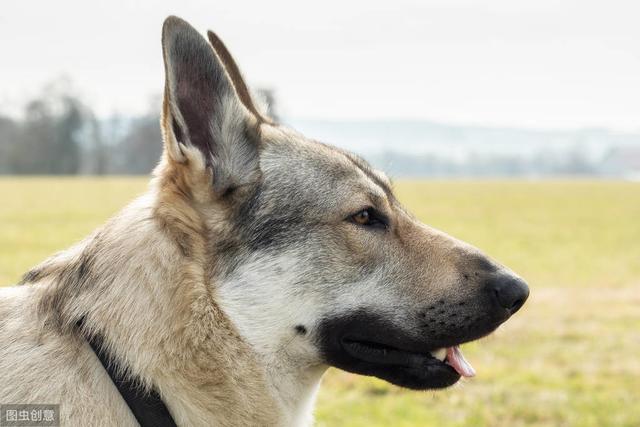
(236, 77)
(202, 110)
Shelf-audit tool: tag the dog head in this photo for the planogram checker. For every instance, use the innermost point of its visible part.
(309, 253)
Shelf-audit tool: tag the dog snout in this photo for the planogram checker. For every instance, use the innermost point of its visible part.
(508, 291)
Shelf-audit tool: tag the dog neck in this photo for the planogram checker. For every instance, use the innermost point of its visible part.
(294, 370)
(148, 296)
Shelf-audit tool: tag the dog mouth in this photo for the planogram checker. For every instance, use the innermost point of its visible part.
(445, 358)
(367, 344)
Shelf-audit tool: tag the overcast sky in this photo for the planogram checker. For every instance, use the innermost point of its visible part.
(541, 64)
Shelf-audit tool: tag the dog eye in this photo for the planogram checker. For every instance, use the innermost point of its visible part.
(362, 217)
(370, 218)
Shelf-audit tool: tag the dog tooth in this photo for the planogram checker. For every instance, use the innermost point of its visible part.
(440, 353)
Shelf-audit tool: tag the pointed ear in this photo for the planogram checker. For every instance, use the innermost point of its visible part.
(203, 111)
(236, 76)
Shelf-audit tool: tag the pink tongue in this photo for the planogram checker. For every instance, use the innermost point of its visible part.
(458, 362)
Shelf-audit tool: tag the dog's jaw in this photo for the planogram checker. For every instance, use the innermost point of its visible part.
(253, 299)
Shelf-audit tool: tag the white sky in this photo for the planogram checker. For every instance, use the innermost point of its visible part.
(542, 63)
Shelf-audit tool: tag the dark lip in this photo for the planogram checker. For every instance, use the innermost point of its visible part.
(422, 350)
(385, 354)
(425, 371)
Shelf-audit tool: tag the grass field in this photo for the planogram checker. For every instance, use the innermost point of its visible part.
(571, 357)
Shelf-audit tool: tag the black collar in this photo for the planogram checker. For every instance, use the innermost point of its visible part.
(148, 408)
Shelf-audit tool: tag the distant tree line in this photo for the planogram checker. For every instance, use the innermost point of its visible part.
(543, 163)
(48, 138)
(59, 134)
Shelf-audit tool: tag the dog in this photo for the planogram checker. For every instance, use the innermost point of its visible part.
(257, 259)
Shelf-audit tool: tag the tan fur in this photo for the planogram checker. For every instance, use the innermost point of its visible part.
(155, 297)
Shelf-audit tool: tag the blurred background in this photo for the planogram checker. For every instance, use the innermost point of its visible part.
(513, 125)
(436, 88)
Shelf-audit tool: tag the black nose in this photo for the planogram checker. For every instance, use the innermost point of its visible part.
(510, 291)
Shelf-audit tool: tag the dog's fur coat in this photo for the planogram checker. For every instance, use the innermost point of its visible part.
(218, 287)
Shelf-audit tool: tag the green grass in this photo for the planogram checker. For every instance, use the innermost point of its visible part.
(571, 357)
